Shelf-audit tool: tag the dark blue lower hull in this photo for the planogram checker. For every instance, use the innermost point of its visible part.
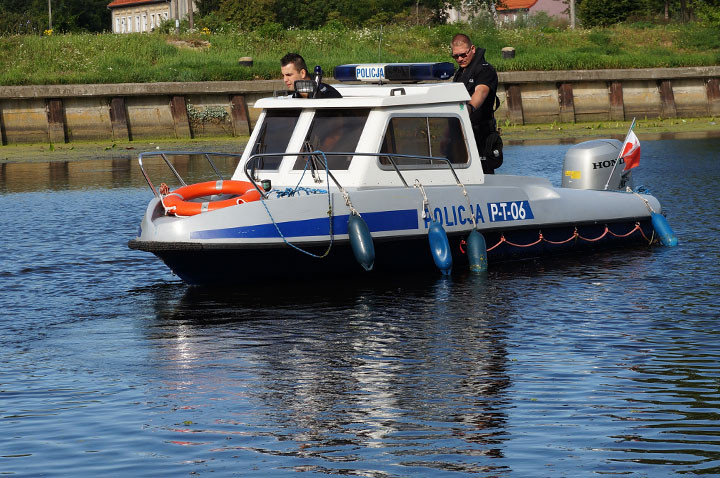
(202, 264)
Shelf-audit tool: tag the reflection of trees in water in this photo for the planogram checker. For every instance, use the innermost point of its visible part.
(379, 365)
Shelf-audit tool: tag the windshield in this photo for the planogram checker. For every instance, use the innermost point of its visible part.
(276, 131)
(424, 136)
(334, 131)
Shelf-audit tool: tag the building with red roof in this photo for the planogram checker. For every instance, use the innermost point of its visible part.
(511, 10)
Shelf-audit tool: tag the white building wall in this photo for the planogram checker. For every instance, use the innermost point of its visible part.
(146, 17)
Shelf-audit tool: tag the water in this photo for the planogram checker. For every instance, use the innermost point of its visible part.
(580, 366)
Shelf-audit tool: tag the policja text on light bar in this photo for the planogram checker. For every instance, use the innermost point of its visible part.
(379, 72)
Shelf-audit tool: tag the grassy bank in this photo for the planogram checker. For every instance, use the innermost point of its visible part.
(108, 58)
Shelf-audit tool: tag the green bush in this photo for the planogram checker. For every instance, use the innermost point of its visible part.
(700, 38)
(708, 14)
(605, 13)
(270, 30)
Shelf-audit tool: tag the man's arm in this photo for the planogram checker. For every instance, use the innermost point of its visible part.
(478, 97)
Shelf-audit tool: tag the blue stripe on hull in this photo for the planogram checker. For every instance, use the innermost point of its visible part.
(400, 220)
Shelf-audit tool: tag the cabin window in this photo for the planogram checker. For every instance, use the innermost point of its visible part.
(277, 128)
(334, 131)
(424, 136)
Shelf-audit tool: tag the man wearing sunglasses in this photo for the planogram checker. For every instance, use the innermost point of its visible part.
(481, 81)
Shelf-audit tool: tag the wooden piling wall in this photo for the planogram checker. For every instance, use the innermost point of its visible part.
(67, 113)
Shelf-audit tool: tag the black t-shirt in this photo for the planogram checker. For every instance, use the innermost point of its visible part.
(479, 72)
(324, 91)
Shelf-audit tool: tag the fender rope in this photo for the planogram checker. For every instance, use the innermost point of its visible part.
(575, 235)
(329, 212)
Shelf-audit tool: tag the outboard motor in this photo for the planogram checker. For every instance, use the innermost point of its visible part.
(588, 166)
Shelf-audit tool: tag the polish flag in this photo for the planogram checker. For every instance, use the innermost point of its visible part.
(631, 151)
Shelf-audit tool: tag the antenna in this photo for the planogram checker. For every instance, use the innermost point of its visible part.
(380, 43)
(380, 47)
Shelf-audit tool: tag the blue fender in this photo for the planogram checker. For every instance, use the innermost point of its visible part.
(361, 242)
(477, 252)
(440, 247)
(663, 230)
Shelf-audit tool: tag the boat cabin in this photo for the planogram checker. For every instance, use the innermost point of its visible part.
(421, 127)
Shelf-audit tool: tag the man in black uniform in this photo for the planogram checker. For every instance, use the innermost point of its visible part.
(481, 81)
(293, 68)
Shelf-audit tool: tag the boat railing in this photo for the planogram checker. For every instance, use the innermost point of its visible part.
(164, 155)
(253, 160)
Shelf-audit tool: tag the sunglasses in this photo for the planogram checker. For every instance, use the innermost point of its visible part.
(461, 55)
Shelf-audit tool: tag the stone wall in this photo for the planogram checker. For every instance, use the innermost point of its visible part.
(66, 113)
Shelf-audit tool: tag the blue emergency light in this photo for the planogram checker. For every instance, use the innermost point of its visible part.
(379, 72)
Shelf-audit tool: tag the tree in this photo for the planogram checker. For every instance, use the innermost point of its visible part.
(316, 13)
(604, 13)
(248, 13)
(206, 7)
(23, 16)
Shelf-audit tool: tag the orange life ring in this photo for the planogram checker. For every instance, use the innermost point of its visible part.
(178, 202)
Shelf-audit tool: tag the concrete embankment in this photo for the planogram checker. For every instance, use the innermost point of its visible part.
(132, 112)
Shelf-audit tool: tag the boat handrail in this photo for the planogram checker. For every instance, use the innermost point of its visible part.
(164, 155)
(250, 171)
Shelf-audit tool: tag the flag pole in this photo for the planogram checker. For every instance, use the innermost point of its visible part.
(632, 125)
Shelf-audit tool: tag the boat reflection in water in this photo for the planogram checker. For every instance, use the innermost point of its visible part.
(333, 372)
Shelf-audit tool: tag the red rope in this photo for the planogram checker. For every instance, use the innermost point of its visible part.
(575, 235)
(652, 237)
(540, 239)
(502, 239)
(637, 227)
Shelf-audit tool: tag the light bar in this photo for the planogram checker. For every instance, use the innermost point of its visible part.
(379, 72)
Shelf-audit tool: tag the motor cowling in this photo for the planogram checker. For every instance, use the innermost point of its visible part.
(588, 165)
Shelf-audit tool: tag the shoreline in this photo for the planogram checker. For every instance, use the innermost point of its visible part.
(513, 135)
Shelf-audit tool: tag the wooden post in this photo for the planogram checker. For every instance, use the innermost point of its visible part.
(178, 107)
(119, 120)
(191, 14)
(57, 129)
(3, 134)
(617, 104)
(514, 101)
(713, 95)
(567, 103)
(240, 115)
(667, 99)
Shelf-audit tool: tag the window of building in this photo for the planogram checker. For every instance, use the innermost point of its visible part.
(129, 24)
(424, 136)
(277, 128)
(137, 23)
(334, 131)
(118, 25)
(144, 22)
(152, 21)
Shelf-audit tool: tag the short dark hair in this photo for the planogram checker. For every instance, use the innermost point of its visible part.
(295, 59)
(461, 39)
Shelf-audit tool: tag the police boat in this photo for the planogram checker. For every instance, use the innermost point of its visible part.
(386, 179)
